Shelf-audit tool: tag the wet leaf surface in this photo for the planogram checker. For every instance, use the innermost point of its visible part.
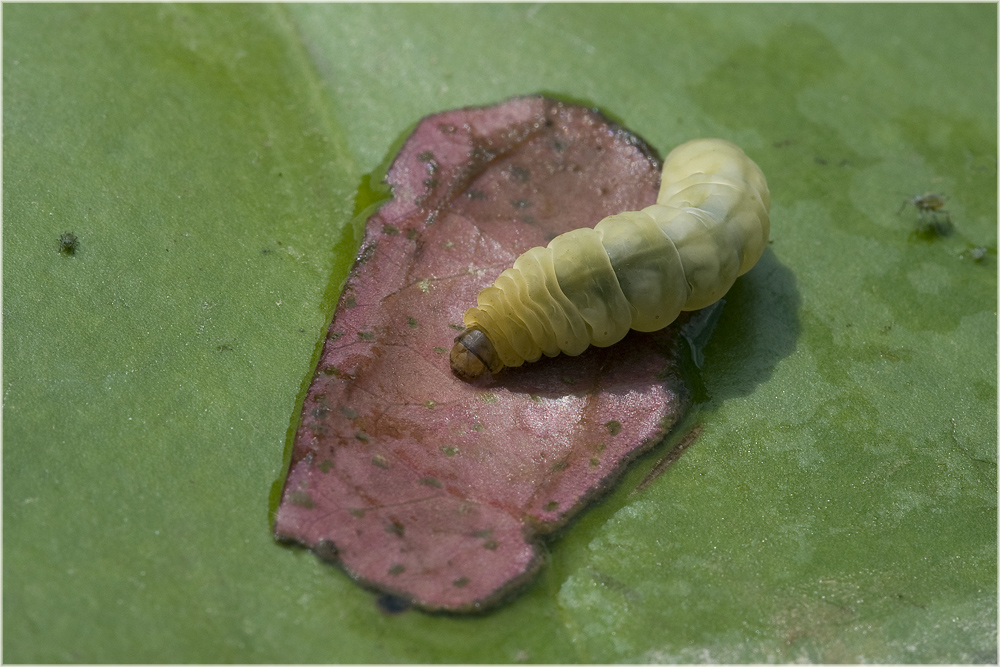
(430, 488)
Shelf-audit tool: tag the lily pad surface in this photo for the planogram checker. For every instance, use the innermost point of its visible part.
(839, 505)
(435, 489)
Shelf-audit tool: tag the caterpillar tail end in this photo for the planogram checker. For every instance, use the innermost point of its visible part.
(473, 354)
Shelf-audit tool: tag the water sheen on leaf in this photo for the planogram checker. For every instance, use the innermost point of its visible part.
(436, 490)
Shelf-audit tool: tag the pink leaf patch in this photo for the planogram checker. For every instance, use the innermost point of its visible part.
(435, 489)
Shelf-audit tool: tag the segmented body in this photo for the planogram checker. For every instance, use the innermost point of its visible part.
(634, 270)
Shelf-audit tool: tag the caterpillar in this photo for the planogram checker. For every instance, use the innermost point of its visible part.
(633, 270)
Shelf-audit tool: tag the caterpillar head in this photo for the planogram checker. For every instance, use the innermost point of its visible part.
(473, 354)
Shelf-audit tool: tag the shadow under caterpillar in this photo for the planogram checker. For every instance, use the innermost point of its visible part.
(633, 270)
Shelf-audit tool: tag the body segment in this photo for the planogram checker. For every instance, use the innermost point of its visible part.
(633, 270)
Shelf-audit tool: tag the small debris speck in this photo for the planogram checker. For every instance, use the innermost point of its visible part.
(68, 243)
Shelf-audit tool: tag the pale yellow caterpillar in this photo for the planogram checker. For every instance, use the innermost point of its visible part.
(634, 270)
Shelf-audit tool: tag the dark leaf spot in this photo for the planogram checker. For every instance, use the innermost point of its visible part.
(366, 253)
(301, 498)
(391, 604)
(520, 174)
(327, 550)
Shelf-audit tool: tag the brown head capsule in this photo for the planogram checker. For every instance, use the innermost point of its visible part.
(473, 354)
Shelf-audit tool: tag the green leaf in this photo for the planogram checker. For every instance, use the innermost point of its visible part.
(840, 502)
